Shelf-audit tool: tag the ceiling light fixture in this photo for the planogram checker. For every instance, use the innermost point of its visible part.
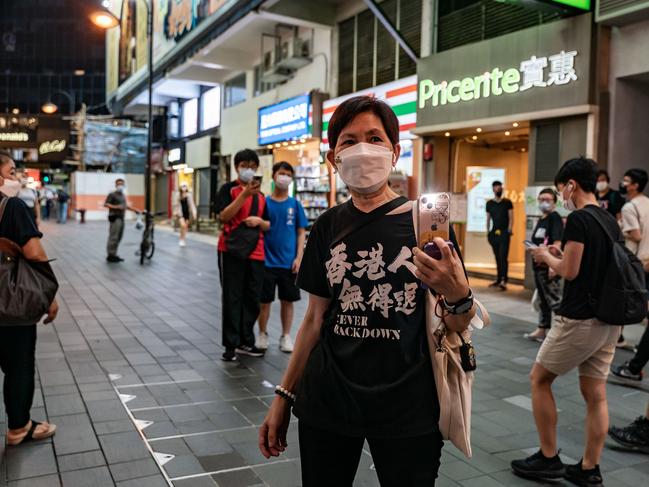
(507, 132)
(515, 124)
(475, 137)
(447, 134)
(478, 130)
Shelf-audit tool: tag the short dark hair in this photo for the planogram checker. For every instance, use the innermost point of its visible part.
(604, 172)
(582, 170)
(549, 191)
(282, 165)
(496, 183)
(120, 180)
(5, 158)
(246, 155)
(638, 176)
(349, 109)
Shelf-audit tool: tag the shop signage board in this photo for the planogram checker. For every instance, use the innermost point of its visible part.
(18, 137)
(479, 180)
(53, 141)
(535, 69)
(401, 95)
(287, 120)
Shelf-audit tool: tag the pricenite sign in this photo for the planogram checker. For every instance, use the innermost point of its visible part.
(401, 95)
(535, 72)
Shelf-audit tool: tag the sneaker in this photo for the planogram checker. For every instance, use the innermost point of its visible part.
(229, 356)
(539, 467)
(586, 478)
(250, 351)
(114, 259)
(537, 335)
(262, 341)
(624, 372)
(182, 243)
(621, 342)
(502, 286)
(494, 284)
(286, 344)
(634, 436)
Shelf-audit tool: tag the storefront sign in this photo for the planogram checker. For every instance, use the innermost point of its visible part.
(284, 121)
(401, 95)
(14, 136)
(536, 69)
(531, 73)
(479, 188)
(56, 145)
(174, 155)
(52, 141)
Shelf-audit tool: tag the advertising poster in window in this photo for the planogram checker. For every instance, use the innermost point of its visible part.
(479, 190)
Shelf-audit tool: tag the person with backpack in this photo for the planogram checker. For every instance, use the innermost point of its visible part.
(603, 290)
(18, 342)
(241, 207)
(62, 198)
(283, 247)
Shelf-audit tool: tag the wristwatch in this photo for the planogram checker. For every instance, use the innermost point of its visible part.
(461, 307)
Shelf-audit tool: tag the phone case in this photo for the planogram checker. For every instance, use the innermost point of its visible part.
(433, 216)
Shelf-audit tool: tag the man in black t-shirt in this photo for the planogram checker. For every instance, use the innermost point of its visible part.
(578, 339)
(500, 221)
(117, 205)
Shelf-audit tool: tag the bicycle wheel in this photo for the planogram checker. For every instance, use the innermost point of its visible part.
(143, 251)
(150, 250)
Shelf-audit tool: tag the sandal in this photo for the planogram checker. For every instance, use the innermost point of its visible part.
(31, 436)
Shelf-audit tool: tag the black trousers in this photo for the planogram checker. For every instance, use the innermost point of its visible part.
(17, 351)
(329, 459)
(545, 311)
(500, 246)
(241, 281)
(640, 359)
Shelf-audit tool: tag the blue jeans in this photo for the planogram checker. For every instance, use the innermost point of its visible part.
(63, 212)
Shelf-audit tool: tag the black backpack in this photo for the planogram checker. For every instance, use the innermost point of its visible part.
(623, 299)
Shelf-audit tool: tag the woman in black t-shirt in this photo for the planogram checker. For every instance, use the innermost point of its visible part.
(18, 343)
(548, 231)
(361, 367)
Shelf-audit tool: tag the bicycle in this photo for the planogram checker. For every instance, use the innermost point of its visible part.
(147, 245)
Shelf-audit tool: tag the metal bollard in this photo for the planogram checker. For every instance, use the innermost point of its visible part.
(82, 214)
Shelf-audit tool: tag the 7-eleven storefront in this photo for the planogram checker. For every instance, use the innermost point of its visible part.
(401, 95)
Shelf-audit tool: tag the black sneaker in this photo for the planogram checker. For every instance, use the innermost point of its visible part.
(494, 284)
(585, 478)
(250, 351)
(624, 372)
(114, 258)
(503, 286)
(539, 467)
(634, 436)
(229, 356)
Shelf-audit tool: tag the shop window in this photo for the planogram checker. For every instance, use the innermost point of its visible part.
(190, 117)
(410, 29)
(386, 46)
(261, 86)
(173, 117)
(365, 50)
(546, 159)
(235, 91)
(346, 56)
(211, 108)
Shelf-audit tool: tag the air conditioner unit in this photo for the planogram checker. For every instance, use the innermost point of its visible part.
(271, 72)
(294, 53)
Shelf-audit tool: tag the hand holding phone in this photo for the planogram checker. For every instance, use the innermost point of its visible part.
(529, 244)
(434, 251)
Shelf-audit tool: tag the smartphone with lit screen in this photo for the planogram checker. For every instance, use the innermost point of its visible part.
(433, 218)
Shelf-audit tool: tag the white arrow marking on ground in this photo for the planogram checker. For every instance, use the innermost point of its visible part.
(126, 397)
(114, 377)
(163, 458)
(142, 423)
(267, 384)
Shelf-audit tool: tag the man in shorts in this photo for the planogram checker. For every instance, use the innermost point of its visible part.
(578, 340)
(284, 245)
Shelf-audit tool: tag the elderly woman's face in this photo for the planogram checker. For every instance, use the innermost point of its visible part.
(8, 169)
(365, 127)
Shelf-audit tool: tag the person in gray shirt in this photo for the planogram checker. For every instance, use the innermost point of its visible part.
(117, 205)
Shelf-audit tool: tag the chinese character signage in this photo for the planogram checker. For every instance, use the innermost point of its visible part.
(286, 120)
(535, 69)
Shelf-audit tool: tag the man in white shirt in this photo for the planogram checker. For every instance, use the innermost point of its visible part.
(635, 214)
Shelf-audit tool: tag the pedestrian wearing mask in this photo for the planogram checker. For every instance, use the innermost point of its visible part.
(284, 246)
(117, 205)
(29, 197)
(361, 368)
(185, 211)
(548, 231)
(608, 199)
(242, 210)
(577, 339)
(500, 222)
(18, 343)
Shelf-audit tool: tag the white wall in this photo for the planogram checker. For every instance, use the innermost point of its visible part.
(89, 191)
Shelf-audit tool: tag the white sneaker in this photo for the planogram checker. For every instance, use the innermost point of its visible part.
(262, 341)
(182, 243)
(286, 344)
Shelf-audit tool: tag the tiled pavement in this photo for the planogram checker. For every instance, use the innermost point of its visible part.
(132, 367)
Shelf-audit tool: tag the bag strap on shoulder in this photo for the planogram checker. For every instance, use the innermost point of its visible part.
(592, 212)
(370, 217)
(3, 206)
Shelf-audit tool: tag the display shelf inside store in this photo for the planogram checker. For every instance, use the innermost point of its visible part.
(312, 190)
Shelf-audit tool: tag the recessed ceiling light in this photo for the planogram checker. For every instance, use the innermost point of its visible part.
(475, 137)
(507, 132)
(523, 149)
(478, 130)
(447, 134)
(515, 124)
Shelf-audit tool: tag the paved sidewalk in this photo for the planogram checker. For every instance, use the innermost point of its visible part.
(131, 375)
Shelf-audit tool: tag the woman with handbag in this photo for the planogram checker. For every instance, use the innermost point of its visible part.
(18, 342)
(361, 367)
(185, 211)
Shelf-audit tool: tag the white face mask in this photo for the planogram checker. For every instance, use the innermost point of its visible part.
(567, 202)
(545, 206)
(283, 181)
(10, 188)
(246, 175)
(364, 167)
(601, 186)
(121, 189)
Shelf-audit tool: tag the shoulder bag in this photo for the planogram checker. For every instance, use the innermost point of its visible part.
(27, 288)
(452, 381)
(242, 241)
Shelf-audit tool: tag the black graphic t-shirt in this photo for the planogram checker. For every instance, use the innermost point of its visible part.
(499, 212)
(370, 373)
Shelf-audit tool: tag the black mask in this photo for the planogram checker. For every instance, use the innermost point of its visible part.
(499, 194)
(623, 189)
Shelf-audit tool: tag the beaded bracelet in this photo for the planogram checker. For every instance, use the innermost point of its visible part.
(285, 393)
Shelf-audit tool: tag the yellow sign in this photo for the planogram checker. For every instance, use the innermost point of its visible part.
(57, 145)
(14, 136)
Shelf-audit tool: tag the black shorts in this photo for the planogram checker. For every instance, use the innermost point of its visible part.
(284, 280)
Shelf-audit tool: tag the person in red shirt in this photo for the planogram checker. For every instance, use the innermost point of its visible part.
(242, 209)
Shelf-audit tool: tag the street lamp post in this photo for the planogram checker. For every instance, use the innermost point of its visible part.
(49, 107)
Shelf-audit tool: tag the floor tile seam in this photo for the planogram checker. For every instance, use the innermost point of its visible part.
(234, 469)
(199, 403)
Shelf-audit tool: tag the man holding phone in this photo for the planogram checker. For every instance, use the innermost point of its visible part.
(242, 209)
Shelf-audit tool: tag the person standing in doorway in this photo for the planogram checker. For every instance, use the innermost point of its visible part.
(186, 212)
(117, 205)
(242, 209)
(608, 199)
(500, 221)
(577, 340)
(284, 246)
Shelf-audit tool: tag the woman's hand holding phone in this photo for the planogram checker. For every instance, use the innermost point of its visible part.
(445, 275)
